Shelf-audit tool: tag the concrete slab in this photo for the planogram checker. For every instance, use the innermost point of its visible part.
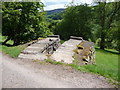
(34, 51)
(33, 56)
(65, 52)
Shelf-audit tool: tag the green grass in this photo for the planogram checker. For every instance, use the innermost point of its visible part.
(53, 62)
(106, 64)
(12, 51)
(62, 41)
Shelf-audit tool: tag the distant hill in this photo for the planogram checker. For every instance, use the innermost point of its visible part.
(55, 14)
(55, 11)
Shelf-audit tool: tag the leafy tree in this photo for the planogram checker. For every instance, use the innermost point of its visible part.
(114, 33)
(76, 21)
(106, 14)
(52, 25)
(23, 21)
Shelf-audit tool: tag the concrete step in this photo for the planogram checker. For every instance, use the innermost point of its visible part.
(33, 56)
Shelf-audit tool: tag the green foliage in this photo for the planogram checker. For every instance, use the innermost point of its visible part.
(45, 29)
(55, 16)
(52, 25)
(106, 17)
(114, 36)
(62, 41)
(76, 21)
(23, 21)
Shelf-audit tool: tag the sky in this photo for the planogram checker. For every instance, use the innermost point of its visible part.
(55, 4)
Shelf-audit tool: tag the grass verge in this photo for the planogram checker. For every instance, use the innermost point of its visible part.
(12, 51)
(106, 64)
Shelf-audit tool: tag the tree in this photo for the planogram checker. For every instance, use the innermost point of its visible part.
(23, 21)
(106, 14)
(114, 34)
(76, 21)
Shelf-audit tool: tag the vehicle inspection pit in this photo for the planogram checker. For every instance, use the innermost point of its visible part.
(51, 46)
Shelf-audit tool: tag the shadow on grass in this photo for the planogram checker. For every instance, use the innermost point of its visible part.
(107, 51)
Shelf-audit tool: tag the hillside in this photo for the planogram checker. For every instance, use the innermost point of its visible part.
(54, 11)
(55, 14)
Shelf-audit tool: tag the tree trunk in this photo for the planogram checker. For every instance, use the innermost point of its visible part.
(16, 42)
(102, 43)
(6, 41)
(102, 24)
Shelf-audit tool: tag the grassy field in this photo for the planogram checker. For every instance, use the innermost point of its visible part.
(13, 51)
(106, 63)
(106, 60)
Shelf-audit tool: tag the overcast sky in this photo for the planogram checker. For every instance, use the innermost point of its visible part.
(54, 4)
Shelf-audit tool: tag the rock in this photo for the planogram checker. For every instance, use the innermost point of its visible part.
(86, 53)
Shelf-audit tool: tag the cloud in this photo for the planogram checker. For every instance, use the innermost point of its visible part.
(51, 7)
(83, 1)
(54, 4)
(46, 1)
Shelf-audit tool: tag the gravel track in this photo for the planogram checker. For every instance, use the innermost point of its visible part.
(24, 73)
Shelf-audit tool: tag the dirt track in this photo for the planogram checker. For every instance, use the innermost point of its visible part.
(21, 73)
